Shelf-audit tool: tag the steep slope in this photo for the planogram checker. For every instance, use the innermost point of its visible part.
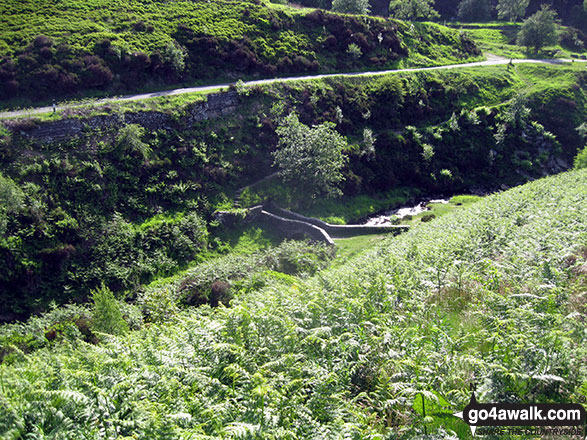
(50, 49)
(493, 295)
(106, 200)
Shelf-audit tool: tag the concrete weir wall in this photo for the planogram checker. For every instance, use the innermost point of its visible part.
(291, 224)
(336, 231)
(292, 228)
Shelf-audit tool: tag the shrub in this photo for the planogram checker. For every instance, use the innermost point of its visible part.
(354, 51)
(129, 138)
(106, 313)
(511, 9)
(175, 56)
(412, 9)
(157, 304)
(97, 75)
(11, 199)
(330, 42)
(427, 217)
(581, 159)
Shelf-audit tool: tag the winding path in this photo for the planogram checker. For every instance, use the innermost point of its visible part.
(493, 61)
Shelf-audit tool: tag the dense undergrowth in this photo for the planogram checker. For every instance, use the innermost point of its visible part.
(492, 295)
(125, 206)
(71, 46)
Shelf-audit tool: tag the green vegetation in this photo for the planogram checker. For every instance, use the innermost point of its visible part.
(310, 159)
(349, 248)
(412, 9)
(107, 315)
(351, 6)
(539, 30)
(511, 10)
(474, 10)
(439, 209)
(147, 302)
(75, 48)
(492, 295)
(10, 200)
(501, 39)
(85, 199)
(580, 160)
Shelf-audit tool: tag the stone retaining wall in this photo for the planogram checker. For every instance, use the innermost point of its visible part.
(218, 104)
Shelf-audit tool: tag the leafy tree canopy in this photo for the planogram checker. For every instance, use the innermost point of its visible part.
(539, 30)
(351, 6)
(412, 9)
(511, 9)
(474, 10)
(11, 198)
(310, 158)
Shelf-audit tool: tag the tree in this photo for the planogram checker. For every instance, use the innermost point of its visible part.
(351, 6)
(474, 10)
(511, 9)
(412, 9)
(11, 199)
(175, 56)
(310, 158)
(539, 30)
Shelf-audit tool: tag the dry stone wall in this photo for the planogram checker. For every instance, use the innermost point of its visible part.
(218, 104)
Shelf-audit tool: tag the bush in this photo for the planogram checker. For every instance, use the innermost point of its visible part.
(581, 159)
(11, 198)
(106, 313)
(412, 9)
(129, 138)
(427, 217)
(354, 51)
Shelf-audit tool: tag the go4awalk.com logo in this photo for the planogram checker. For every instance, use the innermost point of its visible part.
(508, 418)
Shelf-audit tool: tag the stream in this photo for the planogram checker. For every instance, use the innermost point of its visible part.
(384, 218)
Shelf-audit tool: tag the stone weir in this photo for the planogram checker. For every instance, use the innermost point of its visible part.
(291, 224)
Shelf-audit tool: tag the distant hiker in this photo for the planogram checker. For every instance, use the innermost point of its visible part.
(54, 107)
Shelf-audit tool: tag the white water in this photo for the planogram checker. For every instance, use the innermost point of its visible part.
(385, 218)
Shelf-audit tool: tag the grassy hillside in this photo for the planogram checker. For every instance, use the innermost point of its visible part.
(50, 49)
(500, 39)
(116, 205)
(492, 295)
